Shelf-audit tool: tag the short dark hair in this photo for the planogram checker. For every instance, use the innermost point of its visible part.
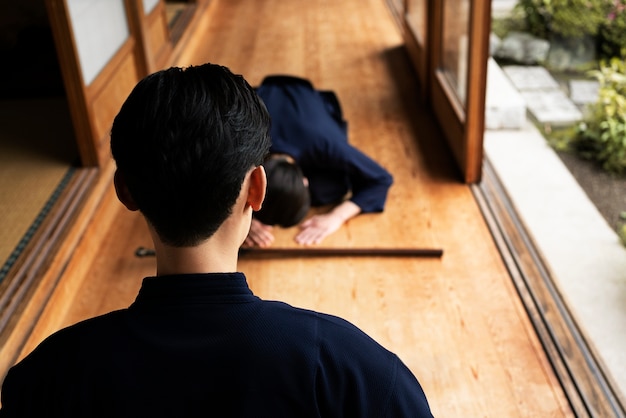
(287, 199)
(183, 141)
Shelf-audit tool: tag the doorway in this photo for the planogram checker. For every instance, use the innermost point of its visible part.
(37, 144)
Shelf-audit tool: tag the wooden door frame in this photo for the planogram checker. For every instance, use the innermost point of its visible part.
(156, 44)
(463, 126)
(93, 106)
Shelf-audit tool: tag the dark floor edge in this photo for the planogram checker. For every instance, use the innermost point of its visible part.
(35, 259)
(582, 377)
(180, 22)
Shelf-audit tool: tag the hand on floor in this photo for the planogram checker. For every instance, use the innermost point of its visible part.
(259, 235)
(318, 227)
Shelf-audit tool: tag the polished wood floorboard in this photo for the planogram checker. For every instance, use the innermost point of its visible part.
(456, 321)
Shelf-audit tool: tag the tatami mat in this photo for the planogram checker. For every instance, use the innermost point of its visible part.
(37, 149)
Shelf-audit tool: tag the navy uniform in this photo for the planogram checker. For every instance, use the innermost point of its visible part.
(308, 125)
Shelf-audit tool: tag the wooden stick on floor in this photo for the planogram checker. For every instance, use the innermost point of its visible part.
(325, 252)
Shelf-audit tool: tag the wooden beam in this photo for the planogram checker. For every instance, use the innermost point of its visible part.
(325, 252)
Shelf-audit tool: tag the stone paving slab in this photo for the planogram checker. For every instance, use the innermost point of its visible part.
(545, 100)
(530, 78)
(584, 91)
(504, 106)
(553, 107)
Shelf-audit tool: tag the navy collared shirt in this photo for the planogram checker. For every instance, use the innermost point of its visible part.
(204, 344)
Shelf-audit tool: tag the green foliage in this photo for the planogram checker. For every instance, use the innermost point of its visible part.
(602, 136)
(604, 19)
(621, 229)
(514, 22)
(568, 18)
(560, 138)
(621, 232)
(613, 31)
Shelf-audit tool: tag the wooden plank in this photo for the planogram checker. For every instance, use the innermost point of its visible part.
(323, 252)
(60, 306)
(456, 321)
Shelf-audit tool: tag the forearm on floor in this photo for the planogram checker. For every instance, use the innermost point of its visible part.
(346, 210)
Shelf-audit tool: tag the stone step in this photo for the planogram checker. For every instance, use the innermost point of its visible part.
(547, 102)
(505, 108)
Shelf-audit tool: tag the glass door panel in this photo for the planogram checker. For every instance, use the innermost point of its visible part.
(455, 36)
(416, 16)
(459, 45)
(416, 40)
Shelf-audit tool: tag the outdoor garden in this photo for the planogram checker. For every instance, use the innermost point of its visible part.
(580, 40)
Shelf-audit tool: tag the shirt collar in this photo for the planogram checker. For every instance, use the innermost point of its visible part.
(193, 288)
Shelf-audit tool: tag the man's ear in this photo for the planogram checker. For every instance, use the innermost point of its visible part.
(258, 186)
(122, 191)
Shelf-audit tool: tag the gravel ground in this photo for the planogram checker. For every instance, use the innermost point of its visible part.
(607, 191)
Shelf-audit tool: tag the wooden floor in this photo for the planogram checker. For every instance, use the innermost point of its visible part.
(456, 321)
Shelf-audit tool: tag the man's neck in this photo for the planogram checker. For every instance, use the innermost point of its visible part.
(218, 253)
(212, 256)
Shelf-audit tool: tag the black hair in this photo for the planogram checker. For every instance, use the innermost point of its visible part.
(183, 141)
(287, 199)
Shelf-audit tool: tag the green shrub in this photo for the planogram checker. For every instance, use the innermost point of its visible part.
(514, 22)
(602, 135)
(613, 32)
(567, 18)
(621, 233)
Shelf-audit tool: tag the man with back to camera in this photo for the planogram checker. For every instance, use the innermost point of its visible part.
(189, 144)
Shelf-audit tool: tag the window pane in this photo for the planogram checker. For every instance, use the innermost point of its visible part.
(455, 36)
(100, 29)
(416, 18)
(149, 5)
